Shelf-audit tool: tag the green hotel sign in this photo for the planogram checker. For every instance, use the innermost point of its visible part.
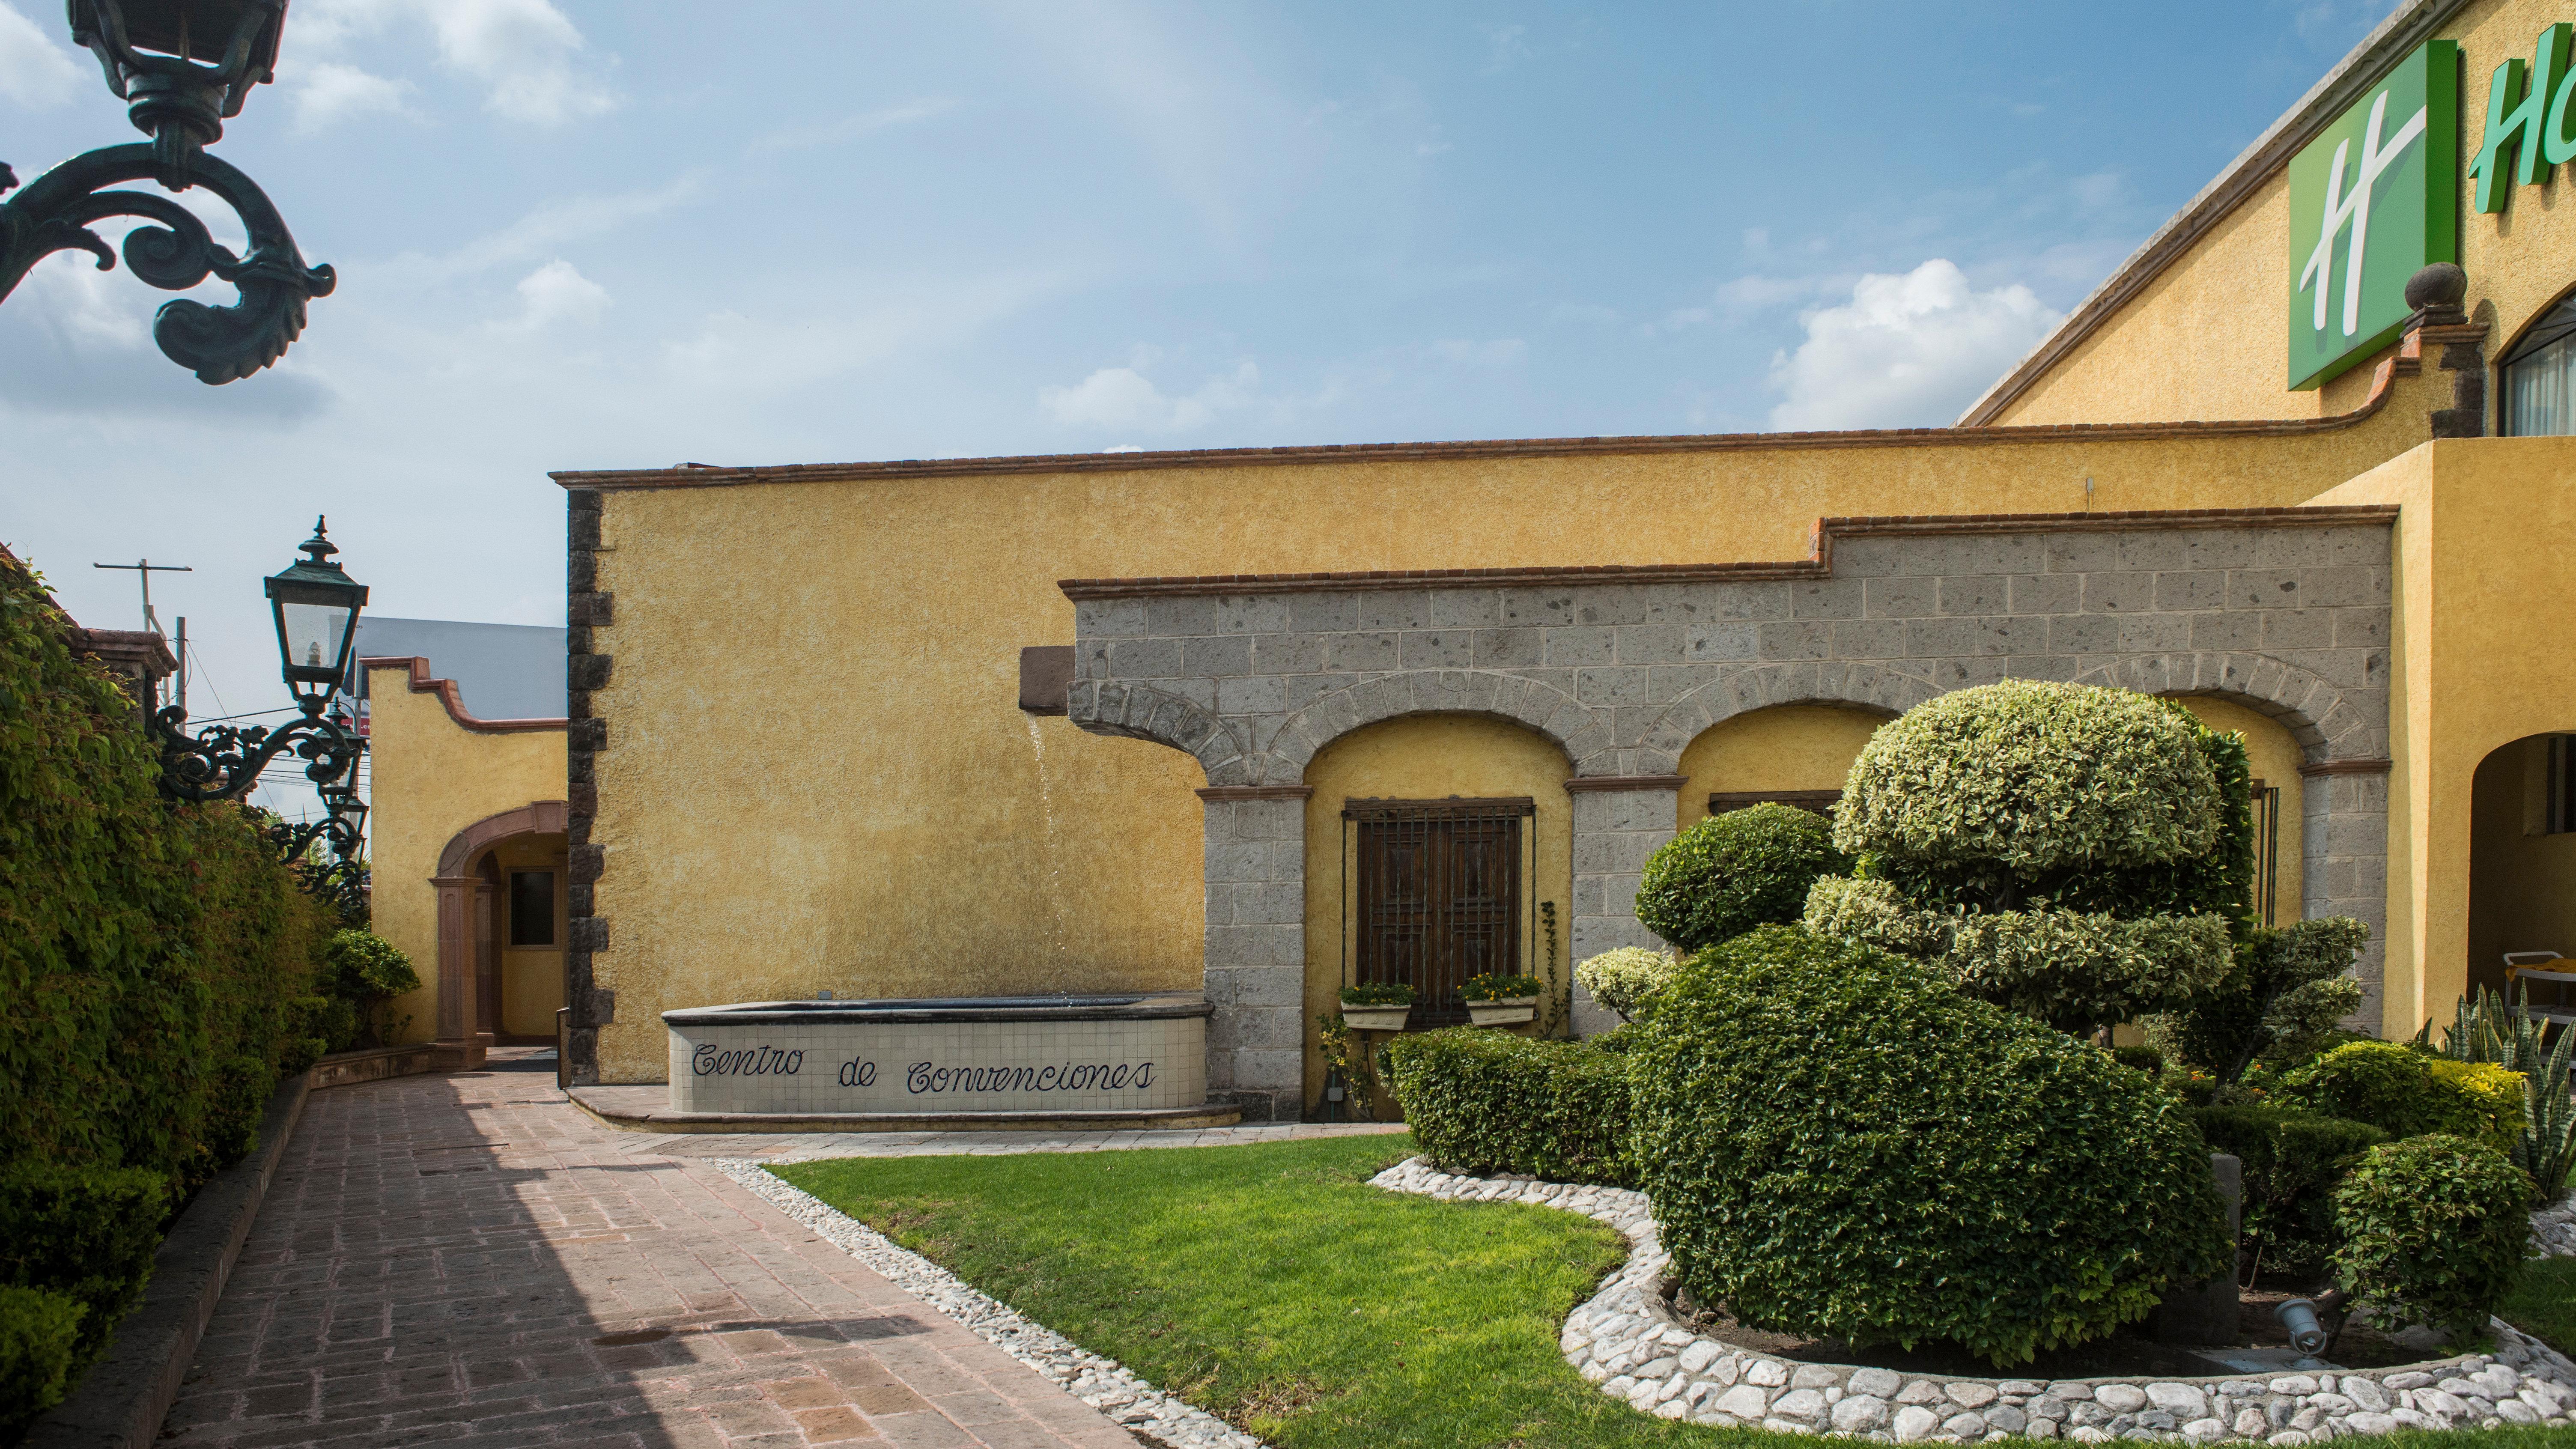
(2373, 200)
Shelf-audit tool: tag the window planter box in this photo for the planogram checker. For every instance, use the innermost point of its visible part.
(1510, 1011)
(1376, 1018)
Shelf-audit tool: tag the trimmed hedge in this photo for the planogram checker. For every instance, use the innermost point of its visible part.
(1730, 873)
(88, 1233)
(37, 1334)
(2408, 1094)
(1490, 1101)
(2293, 1163)
(1838, 1143)
(2081, 855)
(1623, 977)
(2433, 1231)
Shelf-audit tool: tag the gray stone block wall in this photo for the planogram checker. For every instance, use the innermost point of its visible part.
(2287, 616)
(1256, 954)
(1614, 832)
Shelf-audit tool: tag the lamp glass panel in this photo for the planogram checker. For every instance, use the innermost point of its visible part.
(315, 634)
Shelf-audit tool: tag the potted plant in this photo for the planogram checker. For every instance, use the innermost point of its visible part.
(1381, 1007)
(1501, 1000)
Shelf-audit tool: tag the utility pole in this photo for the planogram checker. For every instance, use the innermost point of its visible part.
(143, 570)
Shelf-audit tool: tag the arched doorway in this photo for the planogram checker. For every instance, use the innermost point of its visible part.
(2522, 864)
(503, 887)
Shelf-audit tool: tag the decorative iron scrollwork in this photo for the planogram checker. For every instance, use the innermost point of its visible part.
(222, 761)
(219, 344)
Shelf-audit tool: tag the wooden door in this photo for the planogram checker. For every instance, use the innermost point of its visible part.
(1438, 897)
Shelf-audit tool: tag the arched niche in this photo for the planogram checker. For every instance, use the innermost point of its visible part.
(1801, 751)
(1429, 758)
(2274, 755)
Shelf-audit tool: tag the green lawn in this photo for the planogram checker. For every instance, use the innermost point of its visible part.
(2544, 1302)
(1270, 1285)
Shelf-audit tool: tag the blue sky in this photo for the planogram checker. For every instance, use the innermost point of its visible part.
(580, 234)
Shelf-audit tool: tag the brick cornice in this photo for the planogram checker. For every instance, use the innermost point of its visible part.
(1588, 784)
(1817, 564)
(2346, 767)
(2382, 383)
(421, 682)
(1255, 792)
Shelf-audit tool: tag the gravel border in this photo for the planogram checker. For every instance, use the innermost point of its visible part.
(1103, 1383)
(1626, 1340)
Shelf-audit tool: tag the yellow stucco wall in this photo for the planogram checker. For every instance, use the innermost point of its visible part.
(2522, 881)
(432, 778)
(1428, 757)
(1787, 747)
(2275, 758)
(917, 834)
(2208, 337)
(2478, 659)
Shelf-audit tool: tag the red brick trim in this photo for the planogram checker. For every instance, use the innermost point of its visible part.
(711, 477)
(2346, 767)
(445, 689)
(1817, 564)
(541, 817)
(139, 650)
(1256, 792)
(1588, 784)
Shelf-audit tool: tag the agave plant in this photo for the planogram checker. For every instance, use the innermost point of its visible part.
(2486, 1029)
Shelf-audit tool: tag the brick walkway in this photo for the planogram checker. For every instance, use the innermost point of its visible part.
(470, 1261)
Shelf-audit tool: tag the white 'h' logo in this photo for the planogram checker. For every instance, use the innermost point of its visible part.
(2355, 208)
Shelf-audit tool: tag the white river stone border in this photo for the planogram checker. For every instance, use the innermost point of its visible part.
(1100, 1382)
(1626, 1340)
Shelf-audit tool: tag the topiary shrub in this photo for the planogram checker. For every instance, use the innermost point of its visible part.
(87, 1233)
(2433, 1231)
(1839, 1143)
(39, 1334)
(2408, 1094)
(2293, 1163)
(1730, 873)
(2283, 993)
(2079, 854)
(1490, 1101)
(1621, 980)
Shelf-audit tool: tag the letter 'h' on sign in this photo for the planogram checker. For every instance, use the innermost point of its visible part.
(2526, 117)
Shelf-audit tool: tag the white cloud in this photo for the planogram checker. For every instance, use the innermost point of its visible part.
(546, 229)
(558, 292)
(34, 71)
(525, 52)
(1907, 351)
(1125, 399)
(332, 93)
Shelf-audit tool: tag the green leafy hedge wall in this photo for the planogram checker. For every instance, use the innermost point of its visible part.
(147, 956)
(145, 951)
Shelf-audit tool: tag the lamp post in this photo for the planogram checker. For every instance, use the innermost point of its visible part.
(315, 606)
(149, 50)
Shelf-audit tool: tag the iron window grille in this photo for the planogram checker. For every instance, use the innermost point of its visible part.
(1435, 892)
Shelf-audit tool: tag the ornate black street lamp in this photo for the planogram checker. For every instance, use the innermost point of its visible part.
(316, 606)
(150, 50)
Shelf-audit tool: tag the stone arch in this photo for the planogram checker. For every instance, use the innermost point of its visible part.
(1582, 731)
(1762, 686)
(1138, 712)
(2318, 714)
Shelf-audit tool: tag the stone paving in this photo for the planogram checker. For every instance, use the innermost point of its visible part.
(469, 1261)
